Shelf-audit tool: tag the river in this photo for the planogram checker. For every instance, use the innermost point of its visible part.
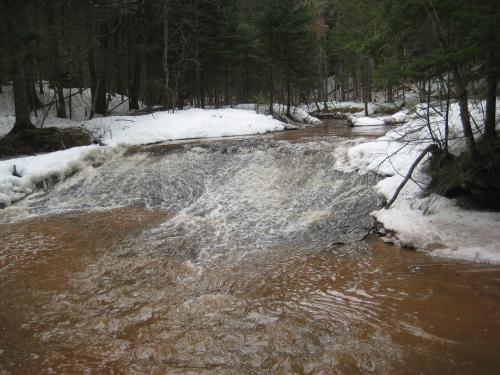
(249, 255)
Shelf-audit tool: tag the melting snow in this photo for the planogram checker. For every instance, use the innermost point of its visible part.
(432, 223)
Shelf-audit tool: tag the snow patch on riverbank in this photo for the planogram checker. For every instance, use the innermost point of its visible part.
(438, 226)
(395, 119)
(189, 124)
(19, 177)
(365, 121)
(430, 223)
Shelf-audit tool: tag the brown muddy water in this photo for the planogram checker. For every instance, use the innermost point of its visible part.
(196, 284)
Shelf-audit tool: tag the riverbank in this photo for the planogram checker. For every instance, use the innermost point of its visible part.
(419, 220)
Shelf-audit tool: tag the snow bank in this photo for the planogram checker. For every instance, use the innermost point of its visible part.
(396, 119)
(365, 121)
(296, 114)
(19, 177)
(445, 230)
(192, 123)
(431, 223)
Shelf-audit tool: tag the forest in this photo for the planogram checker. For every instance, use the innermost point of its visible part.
(218, 53)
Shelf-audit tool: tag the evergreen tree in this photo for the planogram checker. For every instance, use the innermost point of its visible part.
(289, 46)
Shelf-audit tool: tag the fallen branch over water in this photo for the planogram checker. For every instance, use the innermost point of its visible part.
(430, 148)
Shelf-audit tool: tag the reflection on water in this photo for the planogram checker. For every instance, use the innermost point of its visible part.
(92, 293)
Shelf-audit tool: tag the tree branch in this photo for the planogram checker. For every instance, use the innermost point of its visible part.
(428, 149)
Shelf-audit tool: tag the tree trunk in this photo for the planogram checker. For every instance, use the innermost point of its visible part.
(33, 101)
(100, 106)
(325, 81)
(216, 94)
(91, 63)
(37, 54)
(133, 69)
(61, 103)
(492, 81)
(271, 92)
(57, 69)
(22, 111)
(288, 94)
(491, 102)
(463, 102)
(29, 78)
(175, 93)
(366, 87)
(92, 81)
(133, 83)
(167, 102)
(101, 62)
(246, 89)
(390, 94)
(447, 118)
(460, 86)
(227, 100)
(16, 48)
(202, 88)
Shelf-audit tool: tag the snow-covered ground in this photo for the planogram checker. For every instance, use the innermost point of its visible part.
(19, 177)
(431, 223)
(188, 124)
